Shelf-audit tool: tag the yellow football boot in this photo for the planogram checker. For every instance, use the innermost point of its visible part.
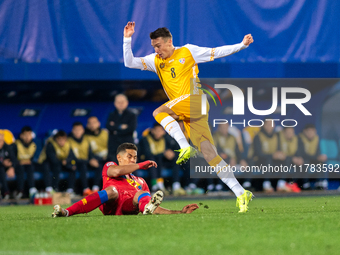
(243, 201)
(185, 154)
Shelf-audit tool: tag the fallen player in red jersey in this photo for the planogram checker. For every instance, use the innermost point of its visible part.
(123, 193)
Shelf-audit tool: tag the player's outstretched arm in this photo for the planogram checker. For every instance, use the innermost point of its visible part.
(144, 63)
(129, 29)
(248, 39)
(186, 209)
(116, 170)
(204, 54)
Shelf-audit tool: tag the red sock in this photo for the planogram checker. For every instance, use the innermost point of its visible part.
(143, 200)
(86, 205)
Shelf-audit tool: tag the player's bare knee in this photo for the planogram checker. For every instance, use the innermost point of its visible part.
(112, 193)
(135, 198)
(155, 112)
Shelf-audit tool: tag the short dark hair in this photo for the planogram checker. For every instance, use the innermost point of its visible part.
(308, 126)
(60, 133)
(161, 32)
(77, 123)
(126, 146)
(26, 129)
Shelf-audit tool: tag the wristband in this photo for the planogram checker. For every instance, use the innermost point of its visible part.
(143, 165)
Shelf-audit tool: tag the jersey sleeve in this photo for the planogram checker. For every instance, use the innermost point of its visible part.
(143, 63)
(204, 54)
(106, 166)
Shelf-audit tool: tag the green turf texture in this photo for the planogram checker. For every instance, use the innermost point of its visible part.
(308, 225)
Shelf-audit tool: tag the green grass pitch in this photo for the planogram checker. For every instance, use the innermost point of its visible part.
(308, 225)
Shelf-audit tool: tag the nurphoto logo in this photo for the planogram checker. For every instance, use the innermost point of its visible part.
(239, 98)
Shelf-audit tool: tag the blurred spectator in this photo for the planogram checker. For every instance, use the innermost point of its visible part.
(191, 184)
(82, 151)
(7, 160)
(228, 148)
(57, 156)
(248, 134)
(157, 146)
(265, 150)
(8, 136)
(24, 149)
(312, 154)
(121, 124)
(98, 139)
(292, 148)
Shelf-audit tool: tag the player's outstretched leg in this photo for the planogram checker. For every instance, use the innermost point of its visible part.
(172, 127)
(226, 175)
(59, 212)
(87, 204)
(148, 204)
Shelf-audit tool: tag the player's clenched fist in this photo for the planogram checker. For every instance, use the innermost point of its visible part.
(189, 208)
(248, 39)
(147, 164)
(129, 29)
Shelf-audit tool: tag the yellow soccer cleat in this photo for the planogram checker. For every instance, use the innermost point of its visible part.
(243, 201)
(185, 154)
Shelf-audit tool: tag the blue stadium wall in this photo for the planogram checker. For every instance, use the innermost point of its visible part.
(82, 39)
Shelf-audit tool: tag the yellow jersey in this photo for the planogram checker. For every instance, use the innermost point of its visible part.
(178, 73)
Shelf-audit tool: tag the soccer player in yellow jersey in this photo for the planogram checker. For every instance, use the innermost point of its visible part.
(177, 70)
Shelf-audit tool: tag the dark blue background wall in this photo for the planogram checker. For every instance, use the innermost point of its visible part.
(81, 39)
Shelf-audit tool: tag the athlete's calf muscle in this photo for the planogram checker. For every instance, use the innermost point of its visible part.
(135, 198)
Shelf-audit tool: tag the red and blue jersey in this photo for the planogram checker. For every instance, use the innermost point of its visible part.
(128, 182)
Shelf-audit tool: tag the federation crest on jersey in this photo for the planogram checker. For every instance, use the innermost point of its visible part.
(110, 164)
(182, 60)
(161, 65)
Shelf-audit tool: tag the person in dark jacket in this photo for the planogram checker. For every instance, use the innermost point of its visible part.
(121, 124)
(7, 163)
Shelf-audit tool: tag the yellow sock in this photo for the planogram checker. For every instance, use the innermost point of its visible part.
(161, 116)
(215, 161)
